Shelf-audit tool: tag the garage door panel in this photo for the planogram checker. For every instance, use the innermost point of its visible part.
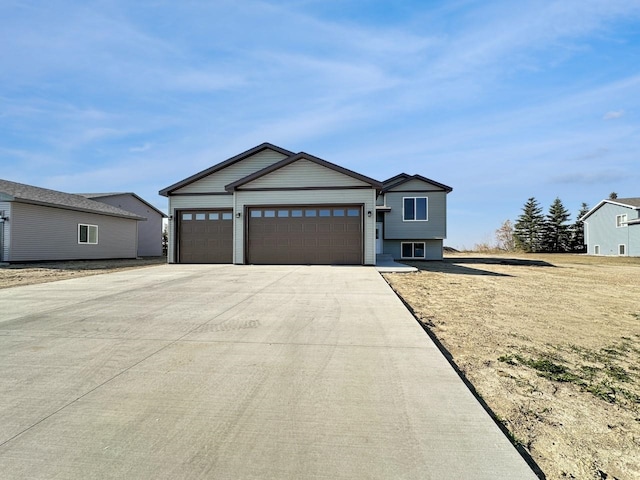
(205, 237)
(305, 235)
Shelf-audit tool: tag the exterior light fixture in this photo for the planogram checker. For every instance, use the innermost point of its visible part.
(369, 214)
(238, 215)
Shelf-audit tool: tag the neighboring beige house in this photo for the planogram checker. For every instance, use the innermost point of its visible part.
(149, 231)
(269, 205)
(39, 224)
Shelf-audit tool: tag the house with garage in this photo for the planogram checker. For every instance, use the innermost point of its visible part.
(612, 227)
(38, 224)
(149, 231)
(269, 205)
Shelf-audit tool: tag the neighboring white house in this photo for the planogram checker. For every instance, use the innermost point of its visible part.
(149, 231)
(40, 224)
(612, 227)
(269, 205)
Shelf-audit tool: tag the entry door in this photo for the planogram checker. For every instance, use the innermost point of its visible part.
(379, 248)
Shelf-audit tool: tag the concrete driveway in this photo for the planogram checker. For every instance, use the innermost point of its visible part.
(233, 372)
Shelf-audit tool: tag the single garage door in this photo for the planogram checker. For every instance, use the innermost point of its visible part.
(305, 235)
(206, 236)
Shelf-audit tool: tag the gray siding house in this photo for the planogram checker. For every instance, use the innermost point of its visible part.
(612, 227)
(269, 205)
(38, 224)
(149, 231)
(412, 218)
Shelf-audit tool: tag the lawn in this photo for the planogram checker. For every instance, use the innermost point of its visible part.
(551, 343)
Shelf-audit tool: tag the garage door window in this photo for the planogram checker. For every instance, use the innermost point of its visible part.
(325, 212)
(283, 213)
(353, 212)
(338, 212)
(296, 213)
(227, 216)
(201, 216)
(310, 213)
(187, 216)
(214, 216)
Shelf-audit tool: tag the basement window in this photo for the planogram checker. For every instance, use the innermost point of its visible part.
(622, 249)
(413, 250)
(87, 234)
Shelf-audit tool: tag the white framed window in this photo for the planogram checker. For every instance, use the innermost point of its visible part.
(622, 249)
(412, 250)
(415, 209)
(87, 234)
(596, 249)
(621, 220)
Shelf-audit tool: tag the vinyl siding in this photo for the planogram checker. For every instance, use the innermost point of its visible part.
(303, 173)
(601, 230)
(149, 231)
(190, 202)
(435, 227)
(46, 233)
(218, 180)
(416, 184)
(5, 232)
(634, 240)
(433, 248)
(366, 197)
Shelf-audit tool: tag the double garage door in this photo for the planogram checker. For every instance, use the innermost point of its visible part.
(287, 235)
(305, 235)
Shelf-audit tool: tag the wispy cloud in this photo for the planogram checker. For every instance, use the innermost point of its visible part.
(613, 115)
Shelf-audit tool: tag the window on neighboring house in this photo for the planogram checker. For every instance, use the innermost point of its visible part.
(415, 209)
(413, 250)
(621, 220)
(596, 249)
(622, 249)
(87, 234)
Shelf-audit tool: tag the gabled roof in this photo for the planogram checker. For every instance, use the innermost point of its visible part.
(19, 192)
(193, 178)
(633, 203)
(301, 156)
(93, 196)
(402, 178)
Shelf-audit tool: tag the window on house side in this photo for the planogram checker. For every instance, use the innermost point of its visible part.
(87, 234)
(415, 209)
(596, 249)
(413, 250)
(621, 220)
(622, 249)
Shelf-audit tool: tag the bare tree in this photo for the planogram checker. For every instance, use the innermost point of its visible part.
(504, 237)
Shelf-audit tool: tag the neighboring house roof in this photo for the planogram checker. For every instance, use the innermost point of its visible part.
(19, 192)
(264, 146)
(402, 178)
(632, 202)
(302, 156)
(116, 194)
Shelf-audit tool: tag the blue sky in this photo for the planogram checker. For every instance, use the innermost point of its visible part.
(501, 100)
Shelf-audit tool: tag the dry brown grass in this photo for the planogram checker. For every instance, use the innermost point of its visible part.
(551, 343)
(17, 274)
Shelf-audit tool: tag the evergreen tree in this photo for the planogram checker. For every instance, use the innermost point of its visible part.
(528, 227)
(556, 235)
(577, 230)
(613, 196)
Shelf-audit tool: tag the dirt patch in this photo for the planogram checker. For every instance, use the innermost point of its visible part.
(17, 274)
(552, 344)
